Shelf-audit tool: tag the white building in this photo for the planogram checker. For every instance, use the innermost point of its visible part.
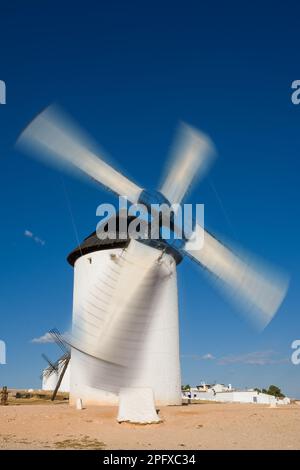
(218, 388)
(221, 393)
(208, 390)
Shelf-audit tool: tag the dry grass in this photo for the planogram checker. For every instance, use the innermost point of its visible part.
(35, 398)
(34, 401)
(84, 443)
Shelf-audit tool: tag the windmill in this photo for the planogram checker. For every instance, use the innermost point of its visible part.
(50, 369)
(125, 310)
(53, 374)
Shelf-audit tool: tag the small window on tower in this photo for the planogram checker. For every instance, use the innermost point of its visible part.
(90, 260)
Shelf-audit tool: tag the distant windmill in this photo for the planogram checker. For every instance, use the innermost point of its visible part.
(60, 366)
(125, 311)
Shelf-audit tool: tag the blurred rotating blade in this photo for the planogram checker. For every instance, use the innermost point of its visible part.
(191, 156)
(259, 291)
(52, 136)
(129, 314)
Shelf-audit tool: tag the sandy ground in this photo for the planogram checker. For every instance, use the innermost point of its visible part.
(203, 426)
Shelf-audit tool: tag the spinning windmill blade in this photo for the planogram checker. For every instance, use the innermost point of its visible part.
(52, 136)
(191, 157)
(258, 291)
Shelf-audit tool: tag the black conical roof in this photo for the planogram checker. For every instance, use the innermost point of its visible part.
(93, 243)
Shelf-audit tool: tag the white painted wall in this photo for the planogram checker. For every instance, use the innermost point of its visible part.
(199, 395)
(157, 364)
(237, 396)
(49, 383)
(220, 388)
(245, 396)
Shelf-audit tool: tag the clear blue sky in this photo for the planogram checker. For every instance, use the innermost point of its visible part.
(128, 72)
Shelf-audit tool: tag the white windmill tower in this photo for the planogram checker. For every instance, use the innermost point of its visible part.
(125, 312)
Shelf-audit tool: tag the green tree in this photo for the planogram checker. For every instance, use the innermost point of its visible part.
(275, 391)
(186, 387)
